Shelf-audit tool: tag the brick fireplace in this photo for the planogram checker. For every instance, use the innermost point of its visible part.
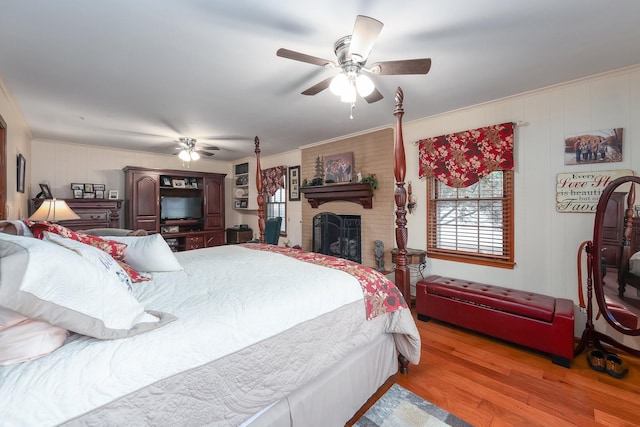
(372, 154)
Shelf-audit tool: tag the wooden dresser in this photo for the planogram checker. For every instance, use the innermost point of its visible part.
(93, 213)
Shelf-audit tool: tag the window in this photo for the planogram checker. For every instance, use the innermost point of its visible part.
(472, 224)
(277, 206)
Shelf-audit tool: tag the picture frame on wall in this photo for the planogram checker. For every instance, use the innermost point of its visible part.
(21, 171)
(338, 168)
(294, 183)
(595, 146)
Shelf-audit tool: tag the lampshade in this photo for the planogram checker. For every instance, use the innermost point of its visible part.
(365, 85)
(188, 155)
(184, 156)
(339, 84)
(53, 210)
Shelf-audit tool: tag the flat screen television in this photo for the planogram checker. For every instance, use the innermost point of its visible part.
(180, 207)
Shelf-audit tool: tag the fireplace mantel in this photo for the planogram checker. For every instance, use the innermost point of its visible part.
(356, 193)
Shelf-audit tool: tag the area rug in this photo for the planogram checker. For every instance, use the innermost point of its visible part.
(398, 407)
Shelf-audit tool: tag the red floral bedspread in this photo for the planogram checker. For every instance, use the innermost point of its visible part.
(380, 294)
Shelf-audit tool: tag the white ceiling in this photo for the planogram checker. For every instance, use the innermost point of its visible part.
(137, 74)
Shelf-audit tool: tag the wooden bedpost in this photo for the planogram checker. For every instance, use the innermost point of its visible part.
(261, 222)
(403, 280)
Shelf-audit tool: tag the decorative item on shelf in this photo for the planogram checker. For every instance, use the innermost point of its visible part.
(177, 183)
(170, 229)
(45, 192)
(372, 180)
(337, 168)
(379, 253)
(411, 201)
(240, 192)
(54, 210)
(21, 171)
(113, 194)
(317, 178)
(637, 211)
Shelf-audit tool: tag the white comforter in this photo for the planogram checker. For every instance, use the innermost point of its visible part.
(226, 299)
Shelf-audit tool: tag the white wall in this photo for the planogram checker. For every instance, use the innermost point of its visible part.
(18, 142)
(546, 241)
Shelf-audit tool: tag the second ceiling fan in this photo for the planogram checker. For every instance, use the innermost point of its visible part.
(352, 52)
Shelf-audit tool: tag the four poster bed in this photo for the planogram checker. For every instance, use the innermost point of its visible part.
(208, 338)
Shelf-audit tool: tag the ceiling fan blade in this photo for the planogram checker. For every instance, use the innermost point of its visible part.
(374, 96)
(407, 66)
(318, 87)
(209, 147)
(364, 35)
(205, 153)
(297, 56)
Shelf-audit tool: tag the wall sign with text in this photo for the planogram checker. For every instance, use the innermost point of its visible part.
(580, 191)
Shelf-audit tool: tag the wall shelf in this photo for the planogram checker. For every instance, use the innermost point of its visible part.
(355, 193)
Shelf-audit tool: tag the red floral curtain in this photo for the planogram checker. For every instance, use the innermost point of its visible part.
(462, 159)
(273, 179)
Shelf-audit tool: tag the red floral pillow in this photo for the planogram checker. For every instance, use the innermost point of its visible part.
(113, 248)
(134, 275)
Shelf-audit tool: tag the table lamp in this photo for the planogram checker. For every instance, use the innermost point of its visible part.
(53, 210)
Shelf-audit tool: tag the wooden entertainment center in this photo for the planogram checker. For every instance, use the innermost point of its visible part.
(184, 228)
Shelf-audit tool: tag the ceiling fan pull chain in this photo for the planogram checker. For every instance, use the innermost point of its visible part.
(353, 105)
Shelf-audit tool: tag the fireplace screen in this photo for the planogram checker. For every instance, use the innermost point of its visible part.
(337, 235)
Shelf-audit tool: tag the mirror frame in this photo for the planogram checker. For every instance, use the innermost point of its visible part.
(597, 248)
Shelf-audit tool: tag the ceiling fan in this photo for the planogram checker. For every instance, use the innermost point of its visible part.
(190, 151)
(352, 52)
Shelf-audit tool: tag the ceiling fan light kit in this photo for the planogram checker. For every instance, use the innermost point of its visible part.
(189, 151)
(352, 52)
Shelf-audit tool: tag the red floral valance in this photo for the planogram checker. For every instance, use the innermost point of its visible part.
(462, 159)
(273, 179)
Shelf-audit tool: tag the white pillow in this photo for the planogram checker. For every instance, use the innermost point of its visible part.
(634, 264)
(99, 258)
(48, 282)
(148, 253)
(23, 339)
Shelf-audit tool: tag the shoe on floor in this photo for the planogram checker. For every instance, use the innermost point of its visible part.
(597, 360)
(616, 367)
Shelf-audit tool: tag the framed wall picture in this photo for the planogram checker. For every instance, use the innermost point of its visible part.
(21, 170)
(338, 168)
(294, 183)
(596, 146)
(113, 194)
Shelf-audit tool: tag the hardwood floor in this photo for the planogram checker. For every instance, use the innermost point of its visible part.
(488, 382)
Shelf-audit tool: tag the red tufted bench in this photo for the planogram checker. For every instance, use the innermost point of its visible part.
(537, 321)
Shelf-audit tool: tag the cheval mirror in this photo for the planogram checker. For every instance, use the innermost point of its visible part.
(617, 295)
